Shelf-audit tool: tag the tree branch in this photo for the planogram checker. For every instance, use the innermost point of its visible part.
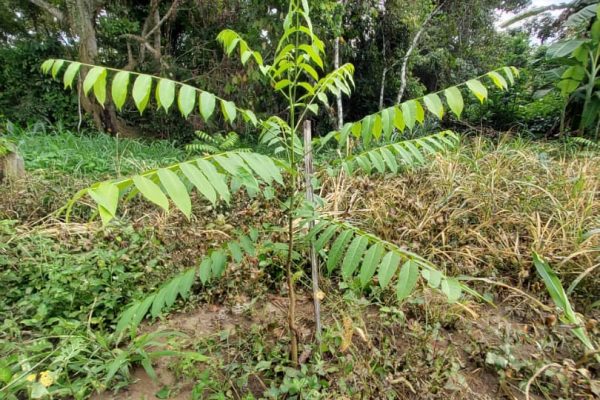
(165, 17)
(55, 12)
(536, 11)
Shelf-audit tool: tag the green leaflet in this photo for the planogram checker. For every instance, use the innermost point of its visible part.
(229, 111)
(186, 100)
(377, 161)
(414, 151)
(377, 127)
(151, 191)
(205, 270)
(498, 80)
(432, 276)
(405, 156)
(455, 100)
(389, 159)
(387, 121)
(219, 261)
(367, 130)
(420, 112)
(399, 119)
(56, 67)
(106, 195)
(354, 255)
(452, 289)
(165, 93)
(282, 84)
(141, 91)
(46, 65)
(313, 54)
(217, 180)
(325, 237)
(356, 129)
(232, 165)
(509, 74)
(247, 245)
(176, 190)
(249, 116)
(70, 74)
(263, 166)
(364, 163)
(120, 83)
(199, 181)
(387, 268)
(207, 105)
(166, 295)
(434, 105)
(229, 39)
(409, 112)
(100, 89)
(125, 318)
(407, 280)
(236, 251)
(424, 145)
(370, 263)
(478, 89)
(186, 282)
(90, 79)
(334, 254)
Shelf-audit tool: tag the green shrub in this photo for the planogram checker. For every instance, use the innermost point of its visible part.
(25, 96)
(61, 295)
(85, 278)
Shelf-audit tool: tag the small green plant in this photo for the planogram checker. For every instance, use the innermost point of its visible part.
(207, 144)
(6, 147)
(587, 143)
(296, 73)
(561, 300)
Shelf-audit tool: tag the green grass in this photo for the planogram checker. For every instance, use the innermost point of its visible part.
(90, 154)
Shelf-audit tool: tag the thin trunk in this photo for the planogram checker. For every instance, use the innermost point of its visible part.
(382, 89)
(310, 198)
(157, 35)
(385, 69)
(80, 20)
(336, 63)
(410, 50)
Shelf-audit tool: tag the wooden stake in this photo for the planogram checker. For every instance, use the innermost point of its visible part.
(310, 197)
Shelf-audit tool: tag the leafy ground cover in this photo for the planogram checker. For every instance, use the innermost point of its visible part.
(478, 212)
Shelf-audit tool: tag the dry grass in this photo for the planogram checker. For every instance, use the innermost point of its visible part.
(481, 210)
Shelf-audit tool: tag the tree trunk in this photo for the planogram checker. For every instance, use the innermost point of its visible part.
(82, 15)
(12, 166)
(382, 88)
(336, 63)
(80, 20)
